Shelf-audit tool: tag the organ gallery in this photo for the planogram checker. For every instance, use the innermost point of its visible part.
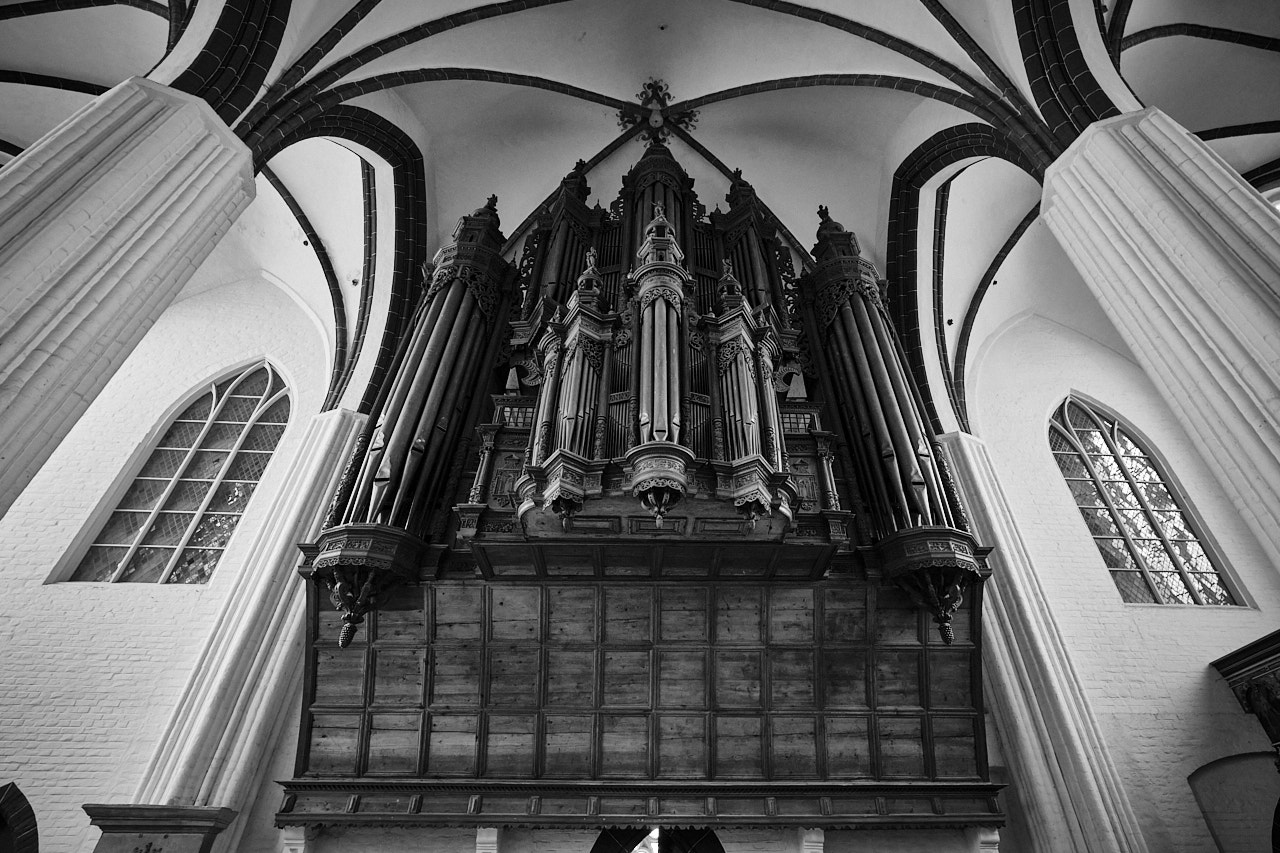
(646, 528)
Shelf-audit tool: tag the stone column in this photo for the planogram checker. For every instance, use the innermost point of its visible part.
(1185, 258)
(101, 224)
(218, 739)
(1075, 800)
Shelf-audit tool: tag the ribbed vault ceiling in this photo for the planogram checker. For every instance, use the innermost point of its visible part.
(826, 102)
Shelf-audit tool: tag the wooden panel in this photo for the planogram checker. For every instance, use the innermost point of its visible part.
(513, 675)
(398, 677)
(571, 678)
(626, 678)
(684, 615)
(791, 678)
(573, 614)
(509, 745)
(402, 616)
(393, 743)
(738, 612)
(844, 678)
(954, 747)
(791, 615)
(457, 612)
(452, 747)
(624, 746)
(568, 747)
(950, 678)
(455, 676)
(515, 613)
(682, 746)
(334, 738)
(897, 678)
(897, 618)
(339, 677)
(628, 614)
(738, 746)
(848, 747)
(844, 615)
(738, 679)
(793, 744)
(901, 747)
(682, 679)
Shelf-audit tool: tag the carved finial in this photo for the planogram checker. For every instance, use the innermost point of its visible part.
(737, 174)
(593, 257)
(580, 166)
(658, 211)
(492, 203)
(823, 213)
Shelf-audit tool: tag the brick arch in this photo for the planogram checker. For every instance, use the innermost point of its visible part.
(393, 145)
(945, 148)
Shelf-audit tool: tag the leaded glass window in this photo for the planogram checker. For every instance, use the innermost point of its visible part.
(1143, 531)
(173, 523)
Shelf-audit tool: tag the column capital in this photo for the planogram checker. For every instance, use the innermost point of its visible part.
(183, 829)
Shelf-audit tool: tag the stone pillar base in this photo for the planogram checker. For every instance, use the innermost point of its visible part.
(153, 829)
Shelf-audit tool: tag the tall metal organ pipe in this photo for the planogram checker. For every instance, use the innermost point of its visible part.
(874, 391)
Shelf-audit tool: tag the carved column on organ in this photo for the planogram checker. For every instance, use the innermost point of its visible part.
(745, 403)
(659, 281)
(921, 541)
(569, 403)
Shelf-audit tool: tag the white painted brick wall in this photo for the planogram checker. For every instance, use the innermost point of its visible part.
(899, 841)
(1145, 668)
(91, 671)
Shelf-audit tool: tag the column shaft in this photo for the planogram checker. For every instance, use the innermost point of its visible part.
(101, 224)
(1075, 799)
(220, 733)
(1185, 258)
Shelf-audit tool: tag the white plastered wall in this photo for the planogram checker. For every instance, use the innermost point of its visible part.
(1145, 668)
(91, 671)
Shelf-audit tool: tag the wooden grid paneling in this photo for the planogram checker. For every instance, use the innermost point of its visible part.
(646, 681)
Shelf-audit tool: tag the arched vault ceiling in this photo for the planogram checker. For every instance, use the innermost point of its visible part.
(1205, 84)
(101, 45)
(589, 45)
(611, 47)
(1256, 16)
(819, 101)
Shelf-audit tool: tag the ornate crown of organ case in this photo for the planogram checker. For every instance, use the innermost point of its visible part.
(645, 529)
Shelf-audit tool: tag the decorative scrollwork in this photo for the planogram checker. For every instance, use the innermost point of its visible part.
(481, 286)
(667, 293)
(728, 352)
(831, 298)
(593, 352)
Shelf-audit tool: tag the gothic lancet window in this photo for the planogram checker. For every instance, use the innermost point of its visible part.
(173, 523)
(1143, 531)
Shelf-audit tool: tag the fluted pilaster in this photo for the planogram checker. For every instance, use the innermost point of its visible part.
(211, 749)
(1185, 258)
(1072, 794)
(101, 224)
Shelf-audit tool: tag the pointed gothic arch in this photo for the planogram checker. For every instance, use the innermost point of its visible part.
(670, 840)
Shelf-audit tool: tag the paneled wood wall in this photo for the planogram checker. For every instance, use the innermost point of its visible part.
(662, 681)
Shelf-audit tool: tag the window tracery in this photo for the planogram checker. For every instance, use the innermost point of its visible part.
(1143, 531)
(176, 518)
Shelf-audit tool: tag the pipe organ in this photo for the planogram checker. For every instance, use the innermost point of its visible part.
(647, 525)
